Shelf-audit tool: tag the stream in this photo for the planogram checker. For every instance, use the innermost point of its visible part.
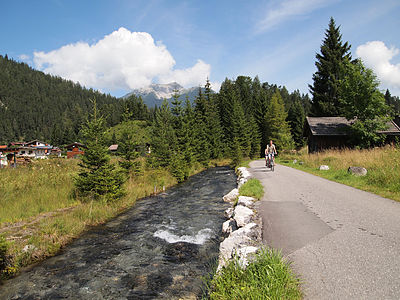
(159, 249)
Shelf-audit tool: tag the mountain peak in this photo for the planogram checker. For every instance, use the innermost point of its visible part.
(154, 93)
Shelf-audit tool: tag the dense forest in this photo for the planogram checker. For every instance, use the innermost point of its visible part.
(34, 105)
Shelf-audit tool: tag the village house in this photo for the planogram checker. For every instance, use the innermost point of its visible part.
(331, 132)
(75, 149)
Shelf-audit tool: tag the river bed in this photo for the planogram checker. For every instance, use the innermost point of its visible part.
(159, 249)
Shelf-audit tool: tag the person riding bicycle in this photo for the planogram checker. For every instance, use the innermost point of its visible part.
(270, 152)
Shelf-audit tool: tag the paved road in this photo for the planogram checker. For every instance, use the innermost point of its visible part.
(344, 243)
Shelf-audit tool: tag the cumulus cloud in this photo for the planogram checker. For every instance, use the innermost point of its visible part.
(121, 60)
(24, 57)
(377, 56)
(284, 10)
(196, 74)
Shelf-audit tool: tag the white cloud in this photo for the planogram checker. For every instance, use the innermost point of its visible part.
(377, 56)
(282, 11)
(186, 77)
(121, 60)
(24, 57)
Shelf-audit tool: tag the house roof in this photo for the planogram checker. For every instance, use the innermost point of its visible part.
(76, 144)
(328, 125)
(36, 141)
(336, 126)
(393, 129)
(113, 147)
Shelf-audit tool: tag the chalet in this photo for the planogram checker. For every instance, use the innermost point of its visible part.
(332, 132)
(75, 149)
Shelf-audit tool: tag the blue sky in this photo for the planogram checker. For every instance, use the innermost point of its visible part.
(116, 46)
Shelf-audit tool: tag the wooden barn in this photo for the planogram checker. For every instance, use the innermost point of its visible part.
(331, 132)
(326, 132)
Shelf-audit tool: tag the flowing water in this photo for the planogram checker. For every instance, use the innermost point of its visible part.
(159, 249)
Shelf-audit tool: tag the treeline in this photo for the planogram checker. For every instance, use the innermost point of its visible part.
(237, 122)
(34, 105)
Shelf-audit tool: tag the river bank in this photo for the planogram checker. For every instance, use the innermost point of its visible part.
(39, 216)
(143, 253)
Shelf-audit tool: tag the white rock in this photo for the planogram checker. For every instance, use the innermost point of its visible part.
(29, 248)
(241, 182)
(243, 172)
(246, 201)
(243, 237)
(324, 167)
(242, 215)
(229, 226)
(228, 213)
(231, 196)
(246, 254)
(357, 171)
(250, 230)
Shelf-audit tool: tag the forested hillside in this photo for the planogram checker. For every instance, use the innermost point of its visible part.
(34, 105)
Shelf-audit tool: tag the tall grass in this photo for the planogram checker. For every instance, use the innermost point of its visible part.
(252, 188)
(43, 186)
(268, 276)
(383, 165)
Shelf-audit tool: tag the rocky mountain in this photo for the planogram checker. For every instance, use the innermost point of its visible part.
(154, 94)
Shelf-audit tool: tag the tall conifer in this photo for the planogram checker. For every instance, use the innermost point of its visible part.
(330, 65)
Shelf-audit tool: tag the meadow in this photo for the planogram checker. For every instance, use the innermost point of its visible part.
(382, 164)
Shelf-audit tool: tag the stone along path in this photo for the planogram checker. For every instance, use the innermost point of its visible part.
(344, 243)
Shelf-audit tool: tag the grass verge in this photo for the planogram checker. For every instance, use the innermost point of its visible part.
(39, 215)
(252, 188)
(383, 165)
(268, 276)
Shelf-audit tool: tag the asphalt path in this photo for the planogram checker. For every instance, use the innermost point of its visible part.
(344, 243)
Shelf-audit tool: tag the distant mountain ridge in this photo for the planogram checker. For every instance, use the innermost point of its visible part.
(154, 94)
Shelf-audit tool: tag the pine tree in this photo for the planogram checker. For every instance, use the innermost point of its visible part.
(277, 127)
(330, 71)
(127, 150)
(98, 179)
(188, 137)
(213, 130)
(203, 147)
(296, 118)
(163, 136)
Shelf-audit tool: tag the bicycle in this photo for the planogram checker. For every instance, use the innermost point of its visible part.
(270, 162)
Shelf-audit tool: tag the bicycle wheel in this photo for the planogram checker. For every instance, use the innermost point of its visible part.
(272, 166)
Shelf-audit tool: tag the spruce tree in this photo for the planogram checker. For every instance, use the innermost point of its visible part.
(98, 179)
(203, 146)
(296, 118)
(278, 128)
(163, 136)
(214, 129)
(330, 71)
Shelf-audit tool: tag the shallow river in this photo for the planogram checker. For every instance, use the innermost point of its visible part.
(159, 249)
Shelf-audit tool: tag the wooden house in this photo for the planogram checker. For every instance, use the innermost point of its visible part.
(332, 132)
(75, 149)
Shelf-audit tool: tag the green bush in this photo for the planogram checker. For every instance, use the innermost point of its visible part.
(252, 188)
(267, 277)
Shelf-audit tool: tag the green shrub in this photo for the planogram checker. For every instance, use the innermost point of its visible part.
(267, 277)
(252, 188)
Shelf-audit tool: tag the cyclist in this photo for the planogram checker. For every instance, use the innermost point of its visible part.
(270, 152)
